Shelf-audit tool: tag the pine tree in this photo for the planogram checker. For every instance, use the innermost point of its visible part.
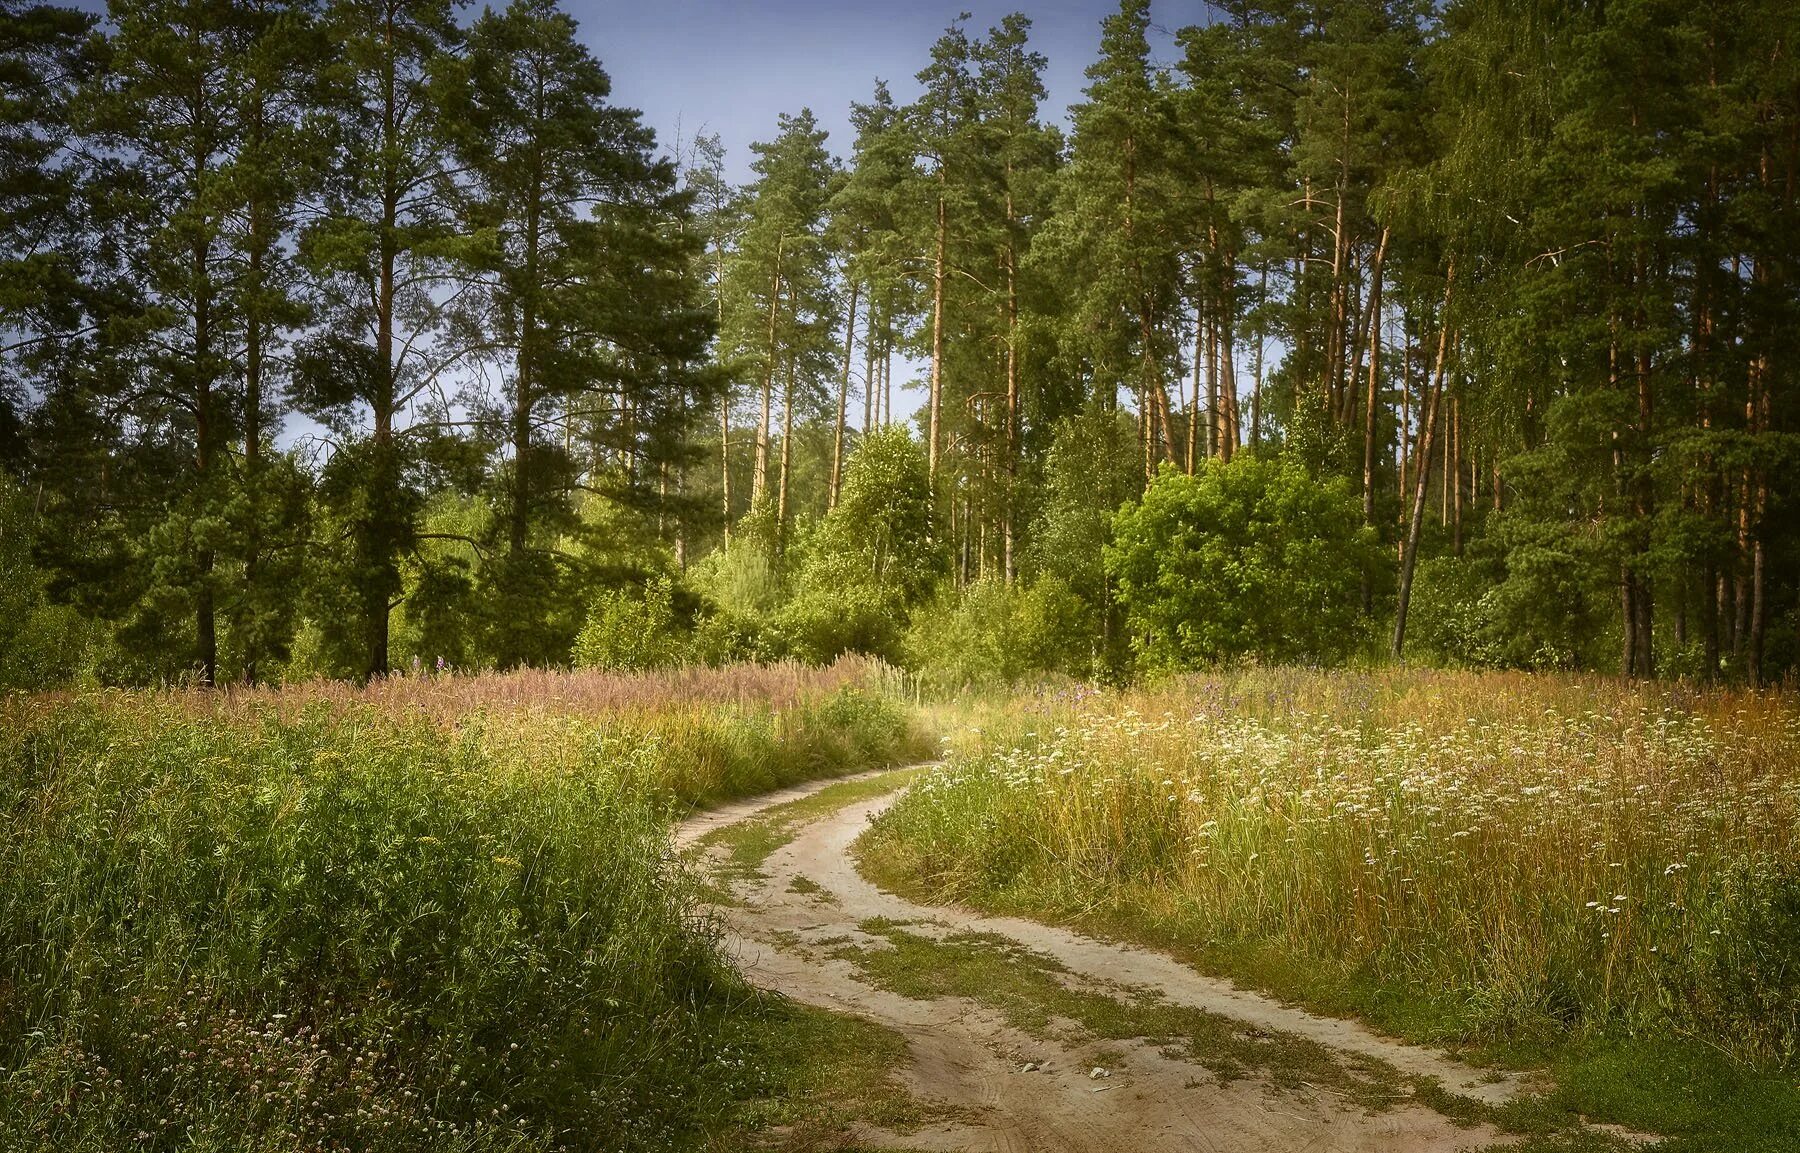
(376, 368)
(876, 201)
(170, 106)
(44, 59)
(940, 201)
(1116, 230)
(277, 161)
(586, 300)
(1022, 156)
(716, 221)
(782, 308)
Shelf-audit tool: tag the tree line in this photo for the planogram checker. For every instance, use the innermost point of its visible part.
(1491, 299)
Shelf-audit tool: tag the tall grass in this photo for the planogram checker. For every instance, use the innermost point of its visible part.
(1482, 856)
(374, 920)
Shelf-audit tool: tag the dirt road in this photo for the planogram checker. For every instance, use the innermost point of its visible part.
(802, 926)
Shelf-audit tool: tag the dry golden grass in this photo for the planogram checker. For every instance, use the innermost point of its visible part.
(1512, 854)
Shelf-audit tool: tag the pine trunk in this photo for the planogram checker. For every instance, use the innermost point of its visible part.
(937, 327)
(787, 445)
(843, 400)
(1009, 528)
(759, 480)
(1371, 395)
(1427, 434)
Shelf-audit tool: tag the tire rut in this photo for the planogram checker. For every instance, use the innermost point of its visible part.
(1013, 1090)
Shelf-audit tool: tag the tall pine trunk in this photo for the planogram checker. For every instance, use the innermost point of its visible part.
(939, 257)
(1193, 423)
(869, 382)
(1232, 430)
(1427, 435)
(206, 635)
(787, 456)
(759, 481)
(1371, 396)
(1009, 564)
(843, 399)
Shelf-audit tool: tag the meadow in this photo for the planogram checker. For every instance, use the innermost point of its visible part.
(435, 913)
(1511, 863)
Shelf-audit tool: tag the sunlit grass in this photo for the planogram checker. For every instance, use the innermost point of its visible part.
(434, 915)
(1479, 857)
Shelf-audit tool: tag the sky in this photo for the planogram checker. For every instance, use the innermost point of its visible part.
(696, 66)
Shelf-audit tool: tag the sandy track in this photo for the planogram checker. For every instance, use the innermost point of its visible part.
(967, 1057)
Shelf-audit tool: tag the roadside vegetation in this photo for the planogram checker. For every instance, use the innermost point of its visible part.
(1539, 870)
(431, 915)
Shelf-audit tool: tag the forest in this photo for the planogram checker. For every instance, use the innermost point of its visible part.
(344, 338)
(1262, 613)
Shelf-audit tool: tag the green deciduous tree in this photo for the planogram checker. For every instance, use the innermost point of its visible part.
(1253, 557)
(871, 558)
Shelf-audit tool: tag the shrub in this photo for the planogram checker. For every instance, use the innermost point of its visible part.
(1525, 597)
(335, 931)
(428, 914)
(1446, 618)
(869, 560)
(41, 644)
(627, 633)
(992, 634)
(1249, 558)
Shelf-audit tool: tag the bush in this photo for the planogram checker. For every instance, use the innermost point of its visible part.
(335, 933)
(1446, 618)
(869, 560)
(1526, 597)
(992, 634)
(627, 633)
(828, 618)
(41, 644)
(1249, 558)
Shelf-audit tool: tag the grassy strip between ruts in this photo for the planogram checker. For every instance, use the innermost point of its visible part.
(270, 927)
(1699, 1100)
(1541, 872)
(806, 1079)
(745, 845)
(1033, 993)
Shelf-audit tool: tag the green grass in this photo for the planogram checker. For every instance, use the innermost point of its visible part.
(254, 926)
(1031, 992)
(800, 1079)
(1442, 855)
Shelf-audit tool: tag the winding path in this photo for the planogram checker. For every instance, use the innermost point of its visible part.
(1015, 1091)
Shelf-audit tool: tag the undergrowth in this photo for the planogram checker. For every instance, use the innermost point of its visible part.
(262, 924)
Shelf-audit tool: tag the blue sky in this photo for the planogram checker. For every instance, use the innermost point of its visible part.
(731, 68)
